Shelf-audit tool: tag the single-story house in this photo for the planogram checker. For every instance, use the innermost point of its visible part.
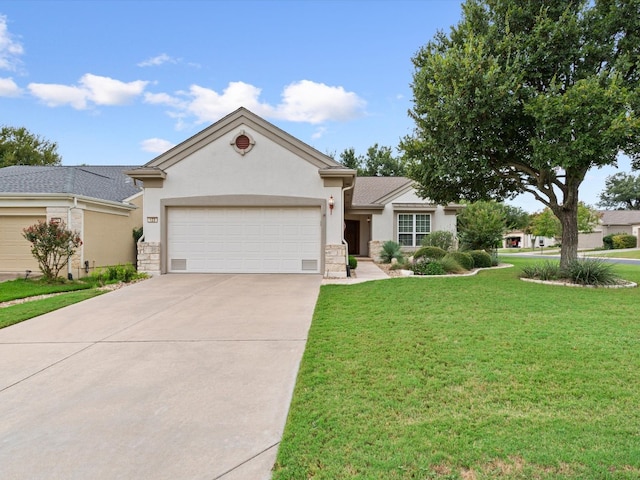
(620, 221)
(244, 196)
(101, 203)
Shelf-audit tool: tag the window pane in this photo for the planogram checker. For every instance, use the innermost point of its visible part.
(419, 237)
(405, 239)
(405, 223)
(423, 223)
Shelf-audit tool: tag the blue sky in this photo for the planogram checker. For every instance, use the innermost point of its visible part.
(118, 82)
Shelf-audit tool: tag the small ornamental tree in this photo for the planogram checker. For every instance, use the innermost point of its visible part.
(52, 245)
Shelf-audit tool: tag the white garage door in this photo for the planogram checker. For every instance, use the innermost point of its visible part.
(243, 240)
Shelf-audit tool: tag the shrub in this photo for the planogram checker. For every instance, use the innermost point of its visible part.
(591, 271)
(51, 245)
(607, 241)
(353, 262)
(115, 273)
(465, 260)
(624, 240)
(391, 250)
(451, 265)
(481, 259)
(495, 260)
(428, 267)
(547, 270)
(429, 252)
(439, 238)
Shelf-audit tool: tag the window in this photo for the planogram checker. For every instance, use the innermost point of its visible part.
(412, 228)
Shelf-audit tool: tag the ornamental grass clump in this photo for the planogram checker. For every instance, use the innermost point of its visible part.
(546, 271)
(464, 259)
(391, 250)
(591, 271)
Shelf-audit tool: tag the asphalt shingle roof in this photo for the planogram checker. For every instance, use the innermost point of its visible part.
(620, 217)
(105, 182)
(369, 190)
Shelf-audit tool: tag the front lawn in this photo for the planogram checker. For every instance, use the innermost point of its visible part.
(21, 288)
(617, 254)
(468, 378)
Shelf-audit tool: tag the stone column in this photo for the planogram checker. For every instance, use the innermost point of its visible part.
(149, 257)
(335, 261)
(375, 247)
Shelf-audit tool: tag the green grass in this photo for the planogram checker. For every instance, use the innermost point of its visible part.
(468, 378)
(616, 254)
(21, 288)
(24, 311)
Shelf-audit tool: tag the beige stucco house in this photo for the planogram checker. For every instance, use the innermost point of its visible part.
(99, 202)
(244, 196)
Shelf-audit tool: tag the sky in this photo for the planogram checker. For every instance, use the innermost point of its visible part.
(119, 82)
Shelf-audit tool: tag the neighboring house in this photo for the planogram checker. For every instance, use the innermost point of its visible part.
(244, 196)
(101, 203)
(620, 221)
(520, 239)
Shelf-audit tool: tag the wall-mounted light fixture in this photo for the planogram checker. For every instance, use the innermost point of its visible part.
(331, 204)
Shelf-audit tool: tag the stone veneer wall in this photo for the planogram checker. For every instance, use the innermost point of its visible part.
(149, 257)
(335, 261)
(375, 247)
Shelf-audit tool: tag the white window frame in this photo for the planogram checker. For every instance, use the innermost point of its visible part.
(416, 232)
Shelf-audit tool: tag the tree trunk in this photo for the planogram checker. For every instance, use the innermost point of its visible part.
(568, 216)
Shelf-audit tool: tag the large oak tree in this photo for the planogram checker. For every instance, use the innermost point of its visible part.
(18, 146)
(526, 96)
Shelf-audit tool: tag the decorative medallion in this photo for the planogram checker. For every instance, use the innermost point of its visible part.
(242, 142)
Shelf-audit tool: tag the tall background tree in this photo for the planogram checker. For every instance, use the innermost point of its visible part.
(378, 162)
(526, 97)
(18, 146)
(621, 192)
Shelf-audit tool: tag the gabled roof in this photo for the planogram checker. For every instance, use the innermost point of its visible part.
(106, 182)
(377, 191)
(227, 124)
(620, 217)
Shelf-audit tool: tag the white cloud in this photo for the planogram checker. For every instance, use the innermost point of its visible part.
(311, 102)
(157, 60)
(10, 50)
(9, 88)
(156, 145)
(303, 101)
(91, 89)
(319, 133)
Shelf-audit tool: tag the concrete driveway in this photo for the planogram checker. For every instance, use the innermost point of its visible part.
(177, 377)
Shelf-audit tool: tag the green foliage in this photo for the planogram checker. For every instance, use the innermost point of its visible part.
(51, 245)
(465, 260)
(451, 264)
(547, 270)
(624, 240)
(353, 262)
(439, 238)
(18, 146)
(481, 259)
(607, 241)
(429, 252)
(378, 162)
(115, 273)
(481, 226)
(526, 97)
(547, 224)
(24, 288)
(515, 218)
(622, 192)
(391, 250)
(428, 267)
(591, 271)
(137, 234)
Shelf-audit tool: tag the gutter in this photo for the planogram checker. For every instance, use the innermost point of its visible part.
(344, 242)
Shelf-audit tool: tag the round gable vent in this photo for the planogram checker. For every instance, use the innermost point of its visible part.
(242, 142)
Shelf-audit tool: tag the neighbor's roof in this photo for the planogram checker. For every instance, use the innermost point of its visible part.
(620, 217)
(372, 190)
(106, 182)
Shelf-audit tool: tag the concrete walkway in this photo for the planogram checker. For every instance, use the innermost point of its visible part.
(366, 271)
(177, 377)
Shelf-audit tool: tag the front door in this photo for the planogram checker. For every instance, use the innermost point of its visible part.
(352, 236)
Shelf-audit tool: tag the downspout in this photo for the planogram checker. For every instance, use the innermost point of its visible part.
(75, 205)
(344, 225)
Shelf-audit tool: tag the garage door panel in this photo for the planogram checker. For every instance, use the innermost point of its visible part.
(251, 240)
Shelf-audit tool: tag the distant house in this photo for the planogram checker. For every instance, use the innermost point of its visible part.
(100, 202)
(243, 196)
(620, 221)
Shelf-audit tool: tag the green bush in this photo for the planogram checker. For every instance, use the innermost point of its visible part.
(451, 265)
(429, 252)
(591, 271)
(465, 260)
(391, 250)
(353, 262)
(547, 270)
(607, 241)
(439, 238)
(428, 267)
(624, 240)
(481, 259)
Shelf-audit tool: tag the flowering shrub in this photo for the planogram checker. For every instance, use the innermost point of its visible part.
(51, 245)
